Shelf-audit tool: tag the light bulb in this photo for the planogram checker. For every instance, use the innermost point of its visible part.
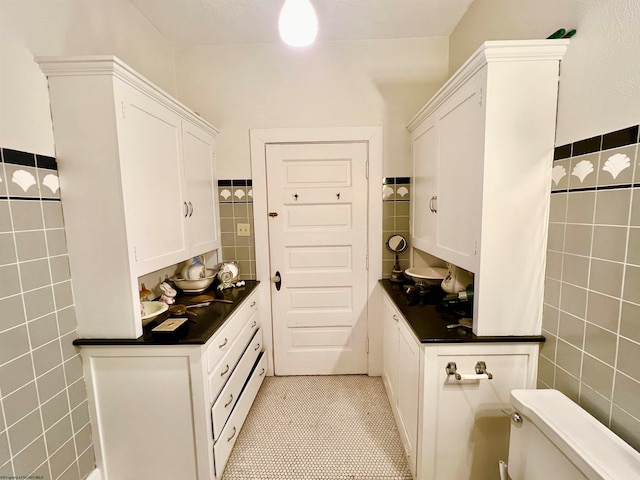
(298, 23)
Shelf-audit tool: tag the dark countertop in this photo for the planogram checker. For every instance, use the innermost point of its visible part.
(430, 326)
(200, 328)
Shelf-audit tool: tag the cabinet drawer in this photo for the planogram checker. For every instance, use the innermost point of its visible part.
(225, 338)
(231, 392)
(224, 369)
(229, 435)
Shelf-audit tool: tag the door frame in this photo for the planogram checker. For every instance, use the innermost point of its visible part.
(372, 135)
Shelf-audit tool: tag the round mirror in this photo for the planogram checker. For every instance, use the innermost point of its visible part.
(397, 243)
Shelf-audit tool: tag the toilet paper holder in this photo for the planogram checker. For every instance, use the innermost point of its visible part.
(481, 372)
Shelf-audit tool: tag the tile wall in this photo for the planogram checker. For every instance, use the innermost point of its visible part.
(44, 418)
(395, 219)
(236, 206)
(591, 314)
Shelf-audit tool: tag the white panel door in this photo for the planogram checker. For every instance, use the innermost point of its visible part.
(317, 199)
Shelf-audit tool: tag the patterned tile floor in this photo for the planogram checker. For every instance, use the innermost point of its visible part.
(319, 428)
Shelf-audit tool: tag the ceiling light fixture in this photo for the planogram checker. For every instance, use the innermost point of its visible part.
(298, 23)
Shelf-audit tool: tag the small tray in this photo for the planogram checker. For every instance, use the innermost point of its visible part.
(171, 329)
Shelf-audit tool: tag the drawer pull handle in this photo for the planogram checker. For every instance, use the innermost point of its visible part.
(232, 435)
(254, 324)
(223, 344)
(261, 373)
(257, 347)
(395, 317)
(253, 304)
(226, 370)
(229, 402)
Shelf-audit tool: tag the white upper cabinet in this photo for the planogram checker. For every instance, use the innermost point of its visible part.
(482, 159)
(153, 184)
(137, 184)
(202, 201)
(447, 152)
(425, 186)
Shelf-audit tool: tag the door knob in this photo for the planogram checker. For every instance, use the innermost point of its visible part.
(277, 279)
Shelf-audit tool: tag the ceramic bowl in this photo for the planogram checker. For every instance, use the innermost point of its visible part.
(152, 310)
(426, 275)
(195, 286)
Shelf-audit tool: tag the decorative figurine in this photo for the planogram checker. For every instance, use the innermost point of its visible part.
(168, 293)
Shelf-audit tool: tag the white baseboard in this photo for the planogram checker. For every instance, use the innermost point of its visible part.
(94, 475)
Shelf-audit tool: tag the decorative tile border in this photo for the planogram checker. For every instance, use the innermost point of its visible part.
(603, 162)
(235, 191)
(396, 189)
(28, 176)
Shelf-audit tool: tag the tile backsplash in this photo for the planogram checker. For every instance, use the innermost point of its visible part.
(44, 416)
(236, 207)
(591, 316)
(396, 194)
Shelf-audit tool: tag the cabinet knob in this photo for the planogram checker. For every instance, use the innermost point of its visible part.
(229, 402)
(395, 317)
(516, 417)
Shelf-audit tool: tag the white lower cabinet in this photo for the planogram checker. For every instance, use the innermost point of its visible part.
(452, 429)
(174, 411)
(401, 377)
(229, 434)
(464, 424)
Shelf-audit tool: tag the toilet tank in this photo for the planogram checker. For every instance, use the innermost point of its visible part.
(553, 438)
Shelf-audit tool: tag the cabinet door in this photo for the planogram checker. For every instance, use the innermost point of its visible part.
(425, 185)
(461, 128)
(150, 149)
(202, 218)
(390, 350)
(408, 390)
(465, 430)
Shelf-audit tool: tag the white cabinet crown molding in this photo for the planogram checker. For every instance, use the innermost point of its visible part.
(111, 65)
(491, 51)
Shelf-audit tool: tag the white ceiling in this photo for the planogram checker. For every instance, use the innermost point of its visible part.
(206, 22)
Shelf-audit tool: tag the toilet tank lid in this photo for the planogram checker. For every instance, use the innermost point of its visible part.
(594, 449)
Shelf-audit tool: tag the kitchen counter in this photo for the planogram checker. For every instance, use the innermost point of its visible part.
(430, 326)
(200, 327)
